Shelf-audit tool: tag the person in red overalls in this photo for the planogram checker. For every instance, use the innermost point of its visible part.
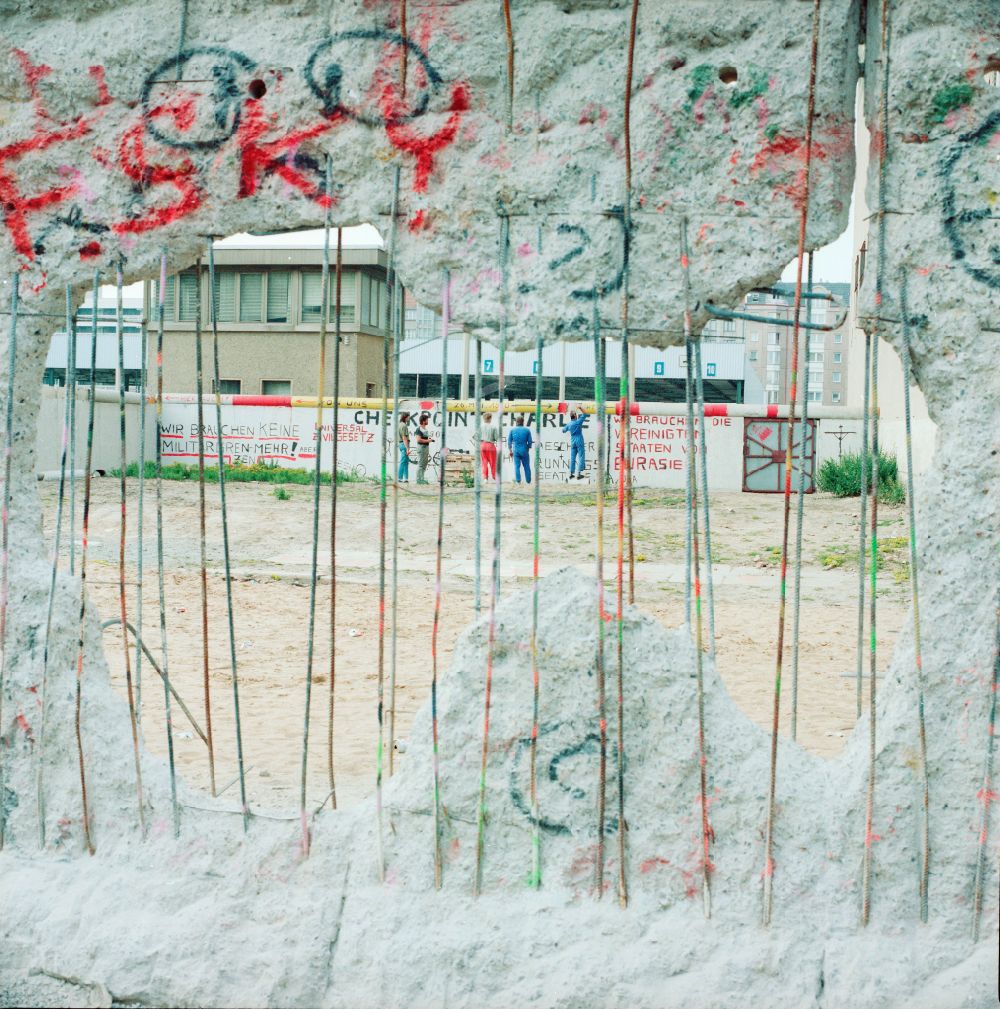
(489, 435)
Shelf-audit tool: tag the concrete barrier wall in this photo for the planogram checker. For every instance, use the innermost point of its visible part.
(284, 436)
(107, 450)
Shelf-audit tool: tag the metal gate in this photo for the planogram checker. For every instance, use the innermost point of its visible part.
(765, 440)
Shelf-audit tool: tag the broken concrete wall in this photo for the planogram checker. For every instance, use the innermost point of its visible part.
(120, 162)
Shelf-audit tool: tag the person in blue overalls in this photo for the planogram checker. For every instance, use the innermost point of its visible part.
(519, 445)
(577, 447)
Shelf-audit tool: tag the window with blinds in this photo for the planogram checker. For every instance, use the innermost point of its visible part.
(312, 296)
(168, 299)
(277, 295)
(383, 305)
(366, 298)
(251, 297)
(188, 297)
(225, 296)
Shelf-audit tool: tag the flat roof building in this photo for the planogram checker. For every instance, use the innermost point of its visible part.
(269, 309)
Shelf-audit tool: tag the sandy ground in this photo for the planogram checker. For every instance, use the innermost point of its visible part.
(271, 547)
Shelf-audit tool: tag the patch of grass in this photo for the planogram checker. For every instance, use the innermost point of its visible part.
(238, 473)
(281, 493)
(893, 557)
(842, 477)
(766, 556)
(833, 557)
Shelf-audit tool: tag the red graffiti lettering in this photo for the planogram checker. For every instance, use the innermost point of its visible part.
(406, 139)
(15, 206)
(264, 157)
(183, 177)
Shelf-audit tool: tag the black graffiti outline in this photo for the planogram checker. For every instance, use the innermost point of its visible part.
(329, 91)
(306, 164)
(72, 219)
(600, 290)
(587, 744)
(227, 98)
(950, 218)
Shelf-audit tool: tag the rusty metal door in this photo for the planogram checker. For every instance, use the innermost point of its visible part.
(765, 440)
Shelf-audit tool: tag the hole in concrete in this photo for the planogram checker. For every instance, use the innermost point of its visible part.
(257, 88)
(728, 75)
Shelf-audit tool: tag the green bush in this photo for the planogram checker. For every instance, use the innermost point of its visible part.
(842, 477)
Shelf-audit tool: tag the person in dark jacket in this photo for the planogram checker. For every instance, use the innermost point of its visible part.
(519, 446)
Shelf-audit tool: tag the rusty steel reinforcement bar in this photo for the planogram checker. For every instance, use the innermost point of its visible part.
(122, 529)
(202, 515)
(867, 868)
(768, 874)
(396, 309)
(8, 444)
(160, 567)
(317, 498)
(116, 622)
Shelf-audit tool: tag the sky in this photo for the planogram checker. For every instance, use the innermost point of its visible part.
(834, 262)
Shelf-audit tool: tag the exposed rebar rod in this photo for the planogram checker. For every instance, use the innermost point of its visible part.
(918, 661)
(602, 724)
(50, 604)
(8, 455)
(478, 477)
(71, 394)
(122, 530)
(509, 31)
(986, 795)
(693, 361)
(688, 500)
(203, 568)
(800, 498)
(535, 879)
(317, 499)
(403, 51)
(862, 526)
(140, 549)
(160, 568)
(331, 697)
(435, 740)
(623, 485)
(85, 812)
(116, 622)
(382, 511)
(866, 865)
(495, 577)
(701, 450)
(866, 868)
(787, 503)
(395, 322)
(226, 552)
(626, 472)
